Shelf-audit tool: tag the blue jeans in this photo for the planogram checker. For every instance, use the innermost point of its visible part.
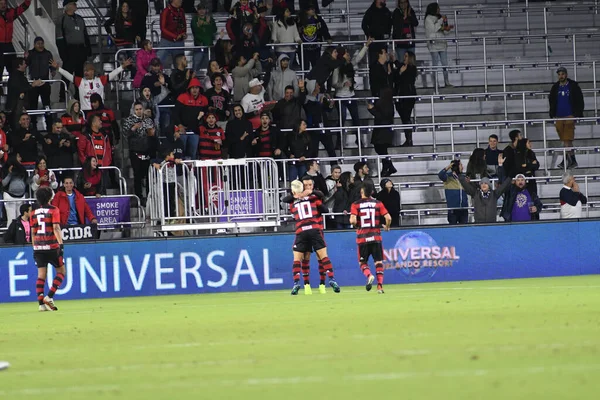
(200, 59)
(440, 58)
(297, 170)
(164, 54)
(400, 53)
(190, 146)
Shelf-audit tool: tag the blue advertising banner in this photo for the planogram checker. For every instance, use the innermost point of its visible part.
(263, 262)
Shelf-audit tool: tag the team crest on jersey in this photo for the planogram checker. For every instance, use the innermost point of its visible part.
(97, 85)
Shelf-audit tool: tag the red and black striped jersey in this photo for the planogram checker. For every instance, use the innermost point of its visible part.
(306, 213)
(208, 149)
(42, 222)
(368, 216)
(264, 142)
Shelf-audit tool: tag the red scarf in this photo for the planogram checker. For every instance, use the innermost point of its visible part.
(41, 173)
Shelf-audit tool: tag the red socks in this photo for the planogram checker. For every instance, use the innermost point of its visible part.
(328, 267)
(39, 290)
(306, 271)
(379, 271)
(55, 284)
(296, 269)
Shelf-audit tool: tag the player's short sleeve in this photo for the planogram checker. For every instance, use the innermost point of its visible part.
(77, 81)
(104, 80)
(354, 209)
(382, 210)
(55, 216)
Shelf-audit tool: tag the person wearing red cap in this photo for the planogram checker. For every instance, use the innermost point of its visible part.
(189, 109)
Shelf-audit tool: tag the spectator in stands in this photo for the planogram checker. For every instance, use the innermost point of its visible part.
(128, 31)
(173, 28)
(317, 106)
(26, 139)
(281, 78)
(510, 164)
(247, 43)
(297, 147)
(143, 57)
(342, 200)
(436, 29)
(94, 143)
(477, 167)
(571, 198)
(73, 44)
(224, 52)
(8, 15)
(362, 175)
(139, 13)
(280, 5)
(313, 169)
(169, 178)
(243, 13)
(91, 84)
(566, 101)
(343, 83)
(380, 73)
(526, 163)
(110, 127)
(38, 60)
(155, 78)
(190, 108)
(253, 102)
(325, 66)
(267, 140)
(290, 109)
(215, 68)
(176, 144)
(20, 91)
(74, 210)
(243, 73)
(14, 182)
(390, 198)
(151, 102)
(485, 200)
(520, 203)
(404, 22)
(312, 29)
(211, 138)
(181, 76)
(42, 176)
(4, 148)
(19, 231)
(219, 100)
(491, 156)
(377, 24)
(59, 146)
(204, 29)
(285, 31)
(239, 134)
(90, 180)
(73, 121)
(456, 197)
(141, 137)
(383, 138)
(405, 75)
(333, 184)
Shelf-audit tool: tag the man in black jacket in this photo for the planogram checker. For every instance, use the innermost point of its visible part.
(238, 134)
(566, 101)
(181, 76)
(510, 166)
(59, 147)
(289, 109)
(19, 231)
(313, 169)
(377, 24)
(19, 90)
(38, 60)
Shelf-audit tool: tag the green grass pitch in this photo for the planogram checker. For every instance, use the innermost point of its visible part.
(512, 339)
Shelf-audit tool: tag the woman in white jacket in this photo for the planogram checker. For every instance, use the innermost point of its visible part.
(436, 28)
(42, 176)
(285, 31)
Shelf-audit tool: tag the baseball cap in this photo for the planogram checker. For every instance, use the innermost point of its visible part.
(485, 179)
(520, 176)
(561, 69)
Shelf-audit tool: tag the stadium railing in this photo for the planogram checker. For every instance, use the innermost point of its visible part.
(121, 179)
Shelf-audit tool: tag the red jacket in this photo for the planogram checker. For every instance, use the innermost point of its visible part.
(61, 201)
(172, 23)
(2, 143)
(85, 149)
(7, 19)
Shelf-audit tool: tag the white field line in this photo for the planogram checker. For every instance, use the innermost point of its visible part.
(277, 381)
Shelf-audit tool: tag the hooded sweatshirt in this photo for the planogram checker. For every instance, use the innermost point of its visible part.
(284, 33)
(377, 22)
(187, 107)
(153, 102)
(485, 204)
(281, 78)
(242, 77)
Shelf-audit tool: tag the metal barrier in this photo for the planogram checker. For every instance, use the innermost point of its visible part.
(121, 179)
(215, 194)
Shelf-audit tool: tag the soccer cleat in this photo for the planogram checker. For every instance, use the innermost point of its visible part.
(49, 302)
(307, 289)
(334, 285)
(322, 289)
(44, 307)
(369, 285)
(295, 289)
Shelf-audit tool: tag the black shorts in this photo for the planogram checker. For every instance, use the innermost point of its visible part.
(44, 257)
(370, 249)
(309, 240)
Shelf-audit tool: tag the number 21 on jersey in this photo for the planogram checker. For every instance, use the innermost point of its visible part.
(367, 218)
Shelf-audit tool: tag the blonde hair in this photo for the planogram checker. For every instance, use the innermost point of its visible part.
(297, 187)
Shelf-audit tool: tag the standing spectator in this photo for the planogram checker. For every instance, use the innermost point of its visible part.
(317, 106)
(90, 180)
(342, 200)
(520, 203)
(290, 109)
(4, 148)
(491, 156)
(143, 57)
(313, 169)
(7, 19)
(362, 175)
(59, 146)
(267, 140)
(173, 30)
(477, 167)
(19, 231)
(73, 122)
(325, 66)
(526, 163)
(20, 91)
(571, 198)
(281, 78)
(140, 133)
(110, 127)
(14, 182)
(243, 73)
(456, 197)
(73, 43)
(380, 73)
(510, 164)
(312, 29)
(566, 101)
(204, 29)
(42, 176)
(485, 200)
(405, 75)
(239, 134)
(243, 13)
(219, 100)
(308, 4)
(151, 102)
(383, 138)
(90, 84)
(128, 31)
(404, 21)
(247, 43)
(224, 52)
(377, 24)
(280, 5)
(215, 68)
(253, 102)
(436, 29)
(38, 59)
(332, 182)
(26, 139)
(285, 31)
(190, 107)
(211, 139)
(74, 210)
(139, 13)
(297, 147)
(155, 78)
(96, 144)
(390, 198)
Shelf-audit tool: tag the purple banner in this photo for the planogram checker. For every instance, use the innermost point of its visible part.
(110, 210)
(240, 203)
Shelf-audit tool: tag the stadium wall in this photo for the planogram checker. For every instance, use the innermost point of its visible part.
(263, 262)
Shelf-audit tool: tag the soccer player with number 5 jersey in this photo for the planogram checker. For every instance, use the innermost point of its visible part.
(366, 215)
(46, 238)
